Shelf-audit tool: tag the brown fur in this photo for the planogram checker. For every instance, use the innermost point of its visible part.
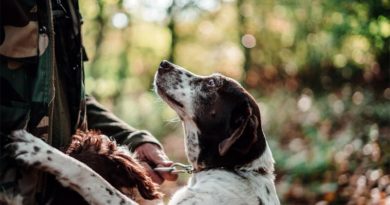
(116, 166)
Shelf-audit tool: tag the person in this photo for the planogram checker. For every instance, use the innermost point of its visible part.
(42, 91)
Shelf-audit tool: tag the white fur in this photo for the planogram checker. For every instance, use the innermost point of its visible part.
(191, 142)
(217, 186)
(184, 92)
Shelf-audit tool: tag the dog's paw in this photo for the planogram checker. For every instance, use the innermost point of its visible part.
(26, 148)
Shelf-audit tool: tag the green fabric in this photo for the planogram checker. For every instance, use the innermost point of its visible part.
(15, 88)
(61, 123)
(99, 118)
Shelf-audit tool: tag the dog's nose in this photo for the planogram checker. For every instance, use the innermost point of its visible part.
(165, 66)
(165, 63)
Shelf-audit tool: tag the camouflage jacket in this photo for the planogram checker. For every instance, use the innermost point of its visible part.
(42, 86)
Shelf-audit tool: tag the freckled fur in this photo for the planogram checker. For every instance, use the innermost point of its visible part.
(219, 181)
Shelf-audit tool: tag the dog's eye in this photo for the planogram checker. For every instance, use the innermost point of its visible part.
(211, 83)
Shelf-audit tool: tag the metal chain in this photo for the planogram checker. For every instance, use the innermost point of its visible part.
(176, 168)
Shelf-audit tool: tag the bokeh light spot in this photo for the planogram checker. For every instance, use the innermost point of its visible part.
(120, 20)
(339, 60)
(357, 98)
(304, 103)
(375, 174)
(386, 93)
(367, 149)
(248, 41)
(338, 106)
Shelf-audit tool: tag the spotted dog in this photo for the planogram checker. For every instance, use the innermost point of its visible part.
(224, 141)
(96, 170)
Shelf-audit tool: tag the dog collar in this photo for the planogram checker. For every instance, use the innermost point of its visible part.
(178, 168)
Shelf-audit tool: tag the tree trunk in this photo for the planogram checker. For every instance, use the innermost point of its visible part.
(171, 27)
(242, 30)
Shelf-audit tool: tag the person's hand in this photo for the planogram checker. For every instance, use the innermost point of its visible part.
(151, 156)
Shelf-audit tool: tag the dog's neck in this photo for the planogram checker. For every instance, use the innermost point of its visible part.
(265, 163)
(191, 142)
(262, 165)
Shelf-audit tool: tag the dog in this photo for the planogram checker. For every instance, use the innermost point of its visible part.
(93, 170)
(224, 140)
(225, 144)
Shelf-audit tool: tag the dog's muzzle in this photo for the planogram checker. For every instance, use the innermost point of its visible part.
(165, 69)
(165, 66)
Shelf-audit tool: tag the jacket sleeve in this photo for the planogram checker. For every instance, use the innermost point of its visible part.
(99, 118)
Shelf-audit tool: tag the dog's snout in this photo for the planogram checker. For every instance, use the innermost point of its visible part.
(165, 66)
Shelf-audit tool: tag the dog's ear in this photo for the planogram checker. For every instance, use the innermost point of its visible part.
(243, 130)
(135, 174)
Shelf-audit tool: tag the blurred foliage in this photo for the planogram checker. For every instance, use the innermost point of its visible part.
(319, 69)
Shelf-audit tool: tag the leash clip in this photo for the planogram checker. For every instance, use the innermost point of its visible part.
(176, 168)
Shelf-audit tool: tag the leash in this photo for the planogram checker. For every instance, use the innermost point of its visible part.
(176, 168)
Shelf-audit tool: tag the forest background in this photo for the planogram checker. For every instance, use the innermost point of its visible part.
(319, 69)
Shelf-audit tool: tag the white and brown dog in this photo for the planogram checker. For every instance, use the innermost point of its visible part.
(93, 170)
(224, 141)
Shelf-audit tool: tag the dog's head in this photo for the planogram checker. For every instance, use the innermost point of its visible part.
(221, 119)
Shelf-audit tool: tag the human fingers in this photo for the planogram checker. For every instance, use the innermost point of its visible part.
(154, 155)
(156, 178)
(167, 175)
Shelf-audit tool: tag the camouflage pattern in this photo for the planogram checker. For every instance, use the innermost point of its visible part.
(42, 88)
